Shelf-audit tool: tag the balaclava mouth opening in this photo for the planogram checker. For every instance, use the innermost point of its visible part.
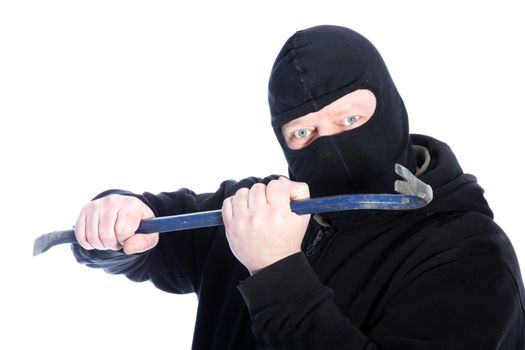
(317, 66)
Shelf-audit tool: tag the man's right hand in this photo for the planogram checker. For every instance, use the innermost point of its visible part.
(110, 223)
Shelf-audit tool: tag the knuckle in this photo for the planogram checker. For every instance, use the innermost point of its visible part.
(275, 183)
(131, 202)
(111, 197)
(87, 207)
(241, 191)
(138, 207)
(258, 186)
(115, 201)
(108, 201)
(123, 226)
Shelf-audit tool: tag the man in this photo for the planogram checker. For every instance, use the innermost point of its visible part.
(441, 277)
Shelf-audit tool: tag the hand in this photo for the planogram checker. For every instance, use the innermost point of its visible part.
(111, 222)
(260, 226)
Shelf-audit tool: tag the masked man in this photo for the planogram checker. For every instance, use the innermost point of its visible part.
(441, 277)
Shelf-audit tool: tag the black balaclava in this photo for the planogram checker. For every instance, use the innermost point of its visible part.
(314, 68)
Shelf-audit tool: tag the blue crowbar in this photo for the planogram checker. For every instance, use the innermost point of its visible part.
(413, 194)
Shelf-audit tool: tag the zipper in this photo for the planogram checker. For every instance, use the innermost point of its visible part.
(313, 248)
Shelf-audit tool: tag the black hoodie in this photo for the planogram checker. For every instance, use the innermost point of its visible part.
(441, 277)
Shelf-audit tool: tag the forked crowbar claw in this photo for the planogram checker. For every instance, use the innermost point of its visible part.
(413, 194)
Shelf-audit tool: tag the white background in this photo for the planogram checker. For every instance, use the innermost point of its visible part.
(158, 95)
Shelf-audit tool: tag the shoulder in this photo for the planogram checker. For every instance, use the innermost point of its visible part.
(462, 230)
(469, 241)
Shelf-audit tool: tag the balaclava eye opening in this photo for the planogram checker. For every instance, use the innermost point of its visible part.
(314, 68)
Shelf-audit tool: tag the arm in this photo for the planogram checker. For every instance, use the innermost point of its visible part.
(466, 296)
(175, 263)
(291, 308)
(471, 299)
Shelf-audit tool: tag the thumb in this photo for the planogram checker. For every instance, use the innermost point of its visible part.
(298, 190)
(139, 243)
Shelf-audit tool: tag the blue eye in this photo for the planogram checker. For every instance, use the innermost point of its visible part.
(302, 133)
(351, 120)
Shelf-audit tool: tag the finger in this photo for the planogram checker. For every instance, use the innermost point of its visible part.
(106, 229)
(257, 196)
(80, 231)
(227, 212)
(240, 202)
(126, 223)
(278, 195)
(92, 218)
(140, 243)
(147, 213)
(298, 190)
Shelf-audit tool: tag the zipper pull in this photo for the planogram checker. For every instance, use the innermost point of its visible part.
(312, 248)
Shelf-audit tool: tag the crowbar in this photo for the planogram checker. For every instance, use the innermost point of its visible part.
(413, 194)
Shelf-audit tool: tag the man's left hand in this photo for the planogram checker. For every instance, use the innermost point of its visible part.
(260, 226)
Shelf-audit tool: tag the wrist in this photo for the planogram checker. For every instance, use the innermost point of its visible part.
(258, 266)
(285, 281)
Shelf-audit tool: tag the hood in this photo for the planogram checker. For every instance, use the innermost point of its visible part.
(454, 190)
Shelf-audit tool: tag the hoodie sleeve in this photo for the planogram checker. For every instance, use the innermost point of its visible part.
(175, 264)
(466, 298)
(291, 309)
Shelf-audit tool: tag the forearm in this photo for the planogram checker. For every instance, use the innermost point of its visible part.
(178, 256)
(113, 262)
(291, 308)
(138, 265)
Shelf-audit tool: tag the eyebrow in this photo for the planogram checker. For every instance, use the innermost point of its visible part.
(349, 106)
(295, 122)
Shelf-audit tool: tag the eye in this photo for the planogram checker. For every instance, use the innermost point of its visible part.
(302, 133)
(351, 120)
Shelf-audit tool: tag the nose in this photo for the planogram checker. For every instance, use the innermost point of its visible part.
(328, 128)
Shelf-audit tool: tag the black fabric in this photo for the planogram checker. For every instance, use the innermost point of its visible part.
(441, 277)
(317, 66)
